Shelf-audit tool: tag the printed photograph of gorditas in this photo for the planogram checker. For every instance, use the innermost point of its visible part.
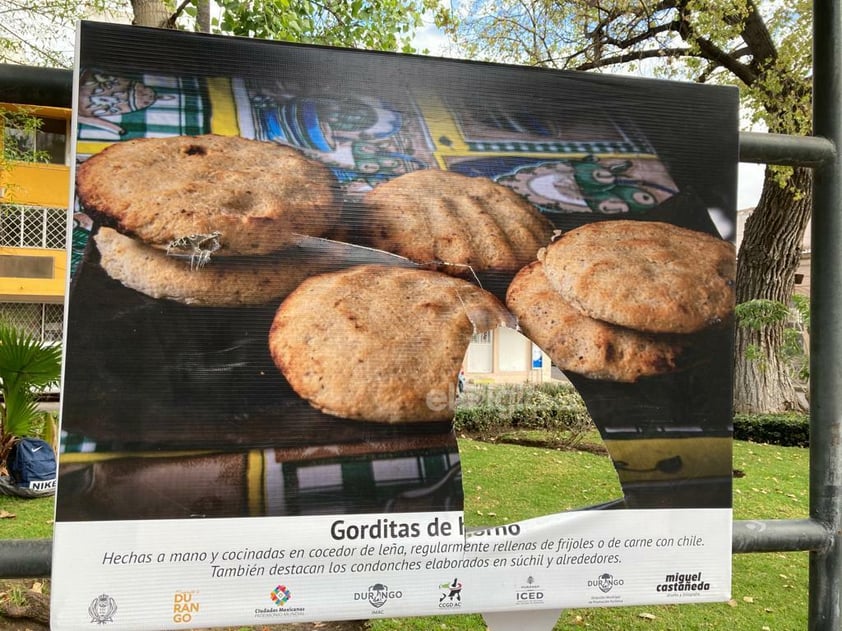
(277, 277)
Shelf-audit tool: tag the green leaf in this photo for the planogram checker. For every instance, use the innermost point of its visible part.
(27, 368)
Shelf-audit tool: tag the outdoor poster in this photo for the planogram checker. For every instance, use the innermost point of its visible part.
(280, 255)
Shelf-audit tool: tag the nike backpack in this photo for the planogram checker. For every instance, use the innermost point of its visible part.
(32, 465)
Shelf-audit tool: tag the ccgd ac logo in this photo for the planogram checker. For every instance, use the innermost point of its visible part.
(451, 595)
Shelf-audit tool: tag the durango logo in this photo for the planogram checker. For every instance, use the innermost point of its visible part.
(378, 594)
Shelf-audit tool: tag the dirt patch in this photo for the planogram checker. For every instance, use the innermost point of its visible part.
(24, 605)
(598, 450)
(510, 437)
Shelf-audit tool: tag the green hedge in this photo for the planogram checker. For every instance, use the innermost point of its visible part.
(787, 430)
(489, 408)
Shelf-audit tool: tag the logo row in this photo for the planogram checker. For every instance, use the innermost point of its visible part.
(186, 605)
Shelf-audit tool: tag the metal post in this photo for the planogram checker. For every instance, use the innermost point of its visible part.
(826, 323)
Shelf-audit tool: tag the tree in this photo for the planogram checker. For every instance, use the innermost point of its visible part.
(153, 13)
(762, 47)
(42, 33)
(371, 24)
(17, 127)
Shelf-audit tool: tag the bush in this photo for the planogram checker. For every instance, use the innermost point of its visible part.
(488, 410)
(787, 430)
(492, 408)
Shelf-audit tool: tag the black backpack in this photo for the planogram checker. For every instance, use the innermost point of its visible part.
(32, 465)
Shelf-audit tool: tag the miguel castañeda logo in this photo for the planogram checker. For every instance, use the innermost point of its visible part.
(280, 597)
(451, 595)
(529, 594)
(683, 585)
(102, 609)
(606, 582)
(185, 606)
(378, 595)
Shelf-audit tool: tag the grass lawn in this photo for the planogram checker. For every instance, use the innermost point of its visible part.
(26, 518)
(769, 590)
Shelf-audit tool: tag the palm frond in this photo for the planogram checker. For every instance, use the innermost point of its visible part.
(27, 367)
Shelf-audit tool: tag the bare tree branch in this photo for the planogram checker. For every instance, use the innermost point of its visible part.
(642, 37)
(637, 56)
(757, 37)
(710, 51)
(177, 14)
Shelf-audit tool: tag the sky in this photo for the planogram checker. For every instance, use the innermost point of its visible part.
(750, 185)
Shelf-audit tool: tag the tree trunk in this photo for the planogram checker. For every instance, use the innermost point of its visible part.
(767, 261)
(203, 16)
(150, 13)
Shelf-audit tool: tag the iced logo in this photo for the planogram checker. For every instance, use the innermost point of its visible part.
(529, 594)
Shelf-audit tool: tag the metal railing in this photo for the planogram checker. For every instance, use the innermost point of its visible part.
(820, 532)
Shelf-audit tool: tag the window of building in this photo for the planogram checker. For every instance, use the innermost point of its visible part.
(33, 227)
(46, 143)
(480, 356)
(44, 322)
(514, 350)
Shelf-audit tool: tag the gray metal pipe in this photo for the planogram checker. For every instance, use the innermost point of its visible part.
(825, 597)
(807, 151)
(26, 558)
(779, 535)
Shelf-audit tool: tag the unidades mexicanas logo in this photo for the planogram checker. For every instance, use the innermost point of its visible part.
(280, 596)
(102, 609)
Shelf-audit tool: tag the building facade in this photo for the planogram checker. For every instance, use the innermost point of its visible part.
(34, 193)
(505, 356)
